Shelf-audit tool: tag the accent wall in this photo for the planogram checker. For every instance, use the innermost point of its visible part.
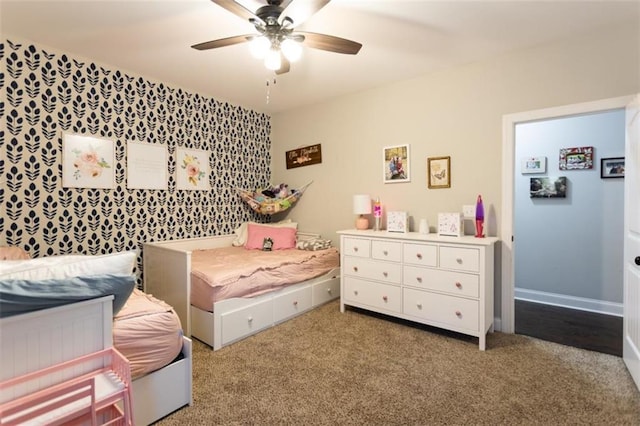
(48, 93)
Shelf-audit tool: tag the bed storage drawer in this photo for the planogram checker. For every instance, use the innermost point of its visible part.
(291, 303)
(245, 321)
(325, 291)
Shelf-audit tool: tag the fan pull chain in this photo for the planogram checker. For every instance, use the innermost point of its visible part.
(269, 84)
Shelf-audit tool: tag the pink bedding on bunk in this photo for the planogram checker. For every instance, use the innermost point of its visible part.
(147, 332)
(226, 272)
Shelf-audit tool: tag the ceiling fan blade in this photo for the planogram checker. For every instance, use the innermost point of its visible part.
(285, 65)
(330, 43)
(237, 9)
(301, 10)
(222, 42)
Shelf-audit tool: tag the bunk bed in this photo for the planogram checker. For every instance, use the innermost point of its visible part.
(161, 360)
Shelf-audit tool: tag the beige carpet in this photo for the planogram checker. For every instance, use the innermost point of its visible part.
(328, 368)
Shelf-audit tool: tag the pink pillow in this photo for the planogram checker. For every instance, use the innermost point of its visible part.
(283, 238)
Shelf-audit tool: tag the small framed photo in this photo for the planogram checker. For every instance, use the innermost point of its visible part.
(396, 164)
(612, 167)
(548, 187)
(576, 158)
(438, 172)
(534, 165)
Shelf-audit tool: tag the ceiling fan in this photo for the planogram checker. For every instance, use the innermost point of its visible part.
(277, 41)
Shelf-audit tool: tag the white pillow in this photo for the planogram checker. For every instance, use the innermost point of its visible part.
(68, 266)
(242, 232)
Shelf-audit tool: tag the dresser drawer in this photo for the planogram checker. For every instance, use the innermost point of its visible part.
(455, 283)
(356, 247)
(386, 250)
(374, 270)
(291, 303)
(459, 258)
(376, 295)
(454, 312)
(421, 254)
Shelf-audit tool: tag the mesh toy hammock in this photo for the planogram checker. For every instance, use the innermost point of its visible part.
(266, 205)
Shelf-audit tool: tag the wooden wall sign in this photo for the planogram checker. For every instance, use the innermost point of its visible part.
(304, 156)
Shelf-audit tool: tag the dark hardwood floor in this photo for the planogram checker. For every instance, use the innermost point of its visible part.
(571, 327)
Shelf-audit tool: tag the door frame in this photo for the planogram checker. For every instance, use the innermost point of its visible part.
(509, 121)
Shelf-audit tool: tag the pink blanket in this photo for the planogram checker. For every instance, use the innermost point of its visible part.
(226, 272)
(147, 332)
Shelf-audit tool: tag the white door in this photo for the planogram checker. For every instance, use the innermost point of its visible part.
(631, 328)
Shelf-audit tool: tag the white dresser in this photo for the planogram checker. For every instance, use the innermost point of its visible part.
(444, 282)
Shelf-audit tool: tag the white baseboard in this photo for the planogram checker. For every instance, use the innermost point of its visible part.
(573, 302)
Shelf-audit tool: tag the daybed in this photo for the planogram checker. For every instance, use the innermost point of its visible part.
(273, 297)
(144, 329)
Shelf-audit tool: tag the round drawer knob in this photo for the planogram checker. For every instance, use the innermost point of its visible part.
(419, 279)
(419, 305)
(459, 260)
(458, 314)
(385, 274)
(637, 260)
(419, 256)
(295, 303)
(355, 292)
(385, 252)
(458, 285)
(250, 319)
(384, 298)
(329, 290)
(355, 249)
(355, 269)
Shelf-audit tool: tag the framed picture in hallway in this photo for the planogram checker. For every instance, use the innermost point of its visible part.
(612, 167)
(576, 158)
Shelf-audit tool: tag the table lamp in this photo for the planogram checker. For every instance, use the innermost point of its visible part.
(362, 206)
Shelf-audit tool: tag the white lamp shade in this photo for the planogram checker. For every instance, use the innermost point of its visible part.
(361, 204)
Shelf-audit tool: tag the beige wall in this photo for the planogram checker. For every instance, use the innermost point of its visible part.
(457, 113)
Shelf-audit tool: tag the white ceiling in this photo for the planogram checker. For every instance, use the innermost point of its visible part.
(401, 40)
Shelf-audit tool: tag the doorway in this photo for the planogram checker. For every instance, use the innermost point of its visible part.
(510, 166)
(568, 219)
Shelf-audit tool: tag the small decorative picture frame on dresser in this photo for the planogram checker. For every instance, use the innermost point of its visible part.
(450, 224)
(397, 222)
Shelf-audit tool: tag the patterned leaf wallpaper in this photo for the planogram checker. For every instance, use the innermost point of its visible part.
(45, 95)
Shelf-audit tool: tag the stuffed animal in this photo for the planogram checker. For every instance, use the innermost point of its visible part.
(283, 191)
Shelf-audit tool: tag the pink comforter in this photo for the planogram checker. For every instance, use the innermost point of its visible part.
(226, 272)
(147, 332)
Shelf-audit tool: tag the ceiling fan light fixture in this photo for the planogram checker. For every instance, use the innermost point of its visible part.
(292, 50)
(272, 60)
(259, 47)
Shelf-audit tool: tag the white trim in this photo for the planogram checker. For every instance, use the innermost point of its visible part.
(572, 302)
(509, 122)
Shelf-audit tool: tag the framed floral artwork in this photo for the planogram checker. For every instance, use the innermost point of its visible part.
(395, 167)
(87, 162)
(192, 169)
(576, 158)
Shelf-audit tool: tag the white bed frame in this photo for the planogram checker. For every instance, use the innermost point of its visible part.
(43, 338)
(167, 276)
